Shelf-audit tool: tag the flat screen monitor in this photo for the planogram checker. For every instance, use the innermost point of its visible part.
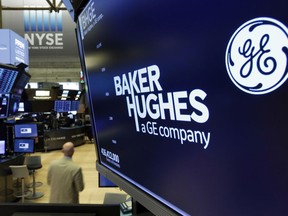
(20, 83)
(105, 182)
(62, 105)
(4, 105)
(2, 147)
(189, 102)
(25, 130)
(21, 107)
(8, 75)
(14, 104)
(23, 145)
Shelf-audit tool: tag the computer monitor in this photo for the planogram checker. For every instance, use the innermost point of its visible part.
(21, 107)
(20, 83)
(8, 75)
(14, 104)
(104, 182)
(2, 147)
(62, 105)
(28, 130)
(23, 145)
(4, 105)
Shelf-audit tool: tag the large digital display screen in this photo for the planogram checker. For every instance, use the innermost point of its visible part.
(189, 100)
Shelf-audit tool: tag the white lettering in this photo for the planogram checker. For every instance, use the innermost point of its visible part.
(140, 88)
(44, 39)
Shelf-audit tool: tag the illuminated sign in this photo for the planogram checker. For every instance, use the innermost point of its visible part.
(13, 48)
(43, 29)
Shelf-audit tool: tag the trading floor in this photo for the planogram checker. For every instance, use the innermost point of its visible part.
(85, 156)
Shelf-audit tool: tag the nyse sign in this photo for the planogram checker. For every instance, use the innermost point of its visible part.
(45, 40)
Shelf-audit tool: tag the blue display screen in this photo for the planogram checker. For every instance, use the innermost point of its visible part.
(7, 77)
(189, 100)
(25, 130)
(23, 145)
(62, 106)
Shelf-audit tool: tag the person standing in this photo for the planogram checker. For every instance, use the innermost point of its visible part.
(65, 178)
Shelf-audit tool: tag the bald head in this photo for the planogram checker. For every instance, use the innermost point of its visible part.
(68, 149)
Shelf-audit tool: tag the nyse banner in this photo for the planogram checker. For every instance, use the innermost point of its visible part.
(43, 29)
(52, 32)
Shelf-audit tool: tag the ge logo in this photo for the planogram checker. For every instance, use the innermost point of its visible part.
(257, 55)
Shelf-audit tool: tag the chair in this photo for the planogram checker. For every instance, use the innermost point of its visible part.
(33, 163)
(5, 171)
(21, 172)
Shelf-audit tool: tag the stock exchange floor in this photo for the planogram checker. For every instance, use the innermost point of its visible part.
(85, 156)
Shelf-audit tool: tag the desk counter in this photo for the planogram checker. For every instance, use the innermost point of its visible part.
(55, 138)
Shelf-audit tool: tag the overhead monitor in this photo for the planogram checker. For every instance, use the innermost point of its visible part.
(28, 130)
(20, 83)
(24, 146)
(8, 75)
(188, 102)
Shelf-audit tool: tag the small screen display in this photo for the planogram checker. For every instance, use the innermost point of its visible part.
(21, 107)
(24, 145)
(7, 77)
(14, 104)
(25, 130)
(2, 147)
(4, 103)
(20, 83)
(62, 106)
(104, 182)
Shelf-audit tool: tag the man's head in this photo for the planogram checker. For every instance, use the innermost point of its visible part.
(68, 149)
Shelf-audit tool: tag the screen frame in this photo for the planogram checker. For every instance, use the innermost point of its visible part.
(17, 128)
(17, 141)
